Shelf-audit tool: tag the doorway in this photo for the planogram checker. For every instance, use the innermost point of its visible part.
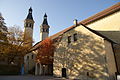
(64, 72)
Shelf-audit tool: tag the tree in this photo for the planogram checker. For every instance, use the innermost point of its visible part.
(45, 51)
(15, 35)
(3, 37)
(3, 44)
(13, 50)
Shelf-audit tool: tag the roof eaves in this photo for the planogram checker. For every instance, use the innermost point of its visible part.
(93, 18)
(104, 13)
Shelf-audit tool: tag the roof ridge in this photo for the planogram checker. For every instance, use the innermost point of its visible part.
(93, 18)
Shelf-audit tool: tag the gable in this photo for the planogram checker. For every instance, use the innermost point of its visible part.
(108, 26)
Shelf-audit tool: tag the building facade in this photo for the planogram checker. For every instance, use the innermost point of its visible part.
(29, 63)
(88, 53)
(28, 29)
(43, 69)
(44, 28)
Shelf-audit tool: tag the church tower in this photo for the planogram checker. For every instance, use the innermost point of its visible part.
(44, 28)
(28, 29)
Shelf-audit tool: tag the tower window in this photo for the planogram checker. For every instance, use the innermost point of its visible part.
(26, 24)
(30, 25)
(75, 37)
(47, 30)
(43, 30)
(32, 56)
(69, 39)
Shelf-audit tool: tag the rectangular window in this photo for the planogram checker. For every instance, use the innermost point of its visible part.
(69, 39)
(27, 57)
(75, 37)
(32, 56)
(30, 25)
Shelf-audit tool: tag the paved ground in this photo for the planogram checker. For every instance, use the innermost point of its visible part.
(29, 77)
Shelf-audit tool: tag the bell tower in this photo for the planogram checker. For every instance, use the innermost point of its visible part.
(44, 28)
(28, 29)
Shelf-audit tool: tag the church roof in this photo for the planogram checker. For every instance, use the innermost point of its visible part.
(102, 14)
(93, 18)
(29, 16)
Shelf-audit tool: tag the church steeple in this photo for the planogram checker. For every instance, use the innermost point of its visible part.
(44, 28)
(45, 19)
(29, 16)
(28, 29)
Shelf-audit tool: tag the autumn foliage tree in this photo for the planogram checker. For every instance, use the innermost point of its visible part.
(12, 50)
(45, 51)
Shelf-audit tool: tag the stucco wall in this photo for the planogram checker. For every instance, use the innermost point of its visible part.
(28, 35)
(29, 62)
(117, 55)
(43, 35)
(109, 23)
(90, 54)
(108, 26)
(84, 58)
(110, 60)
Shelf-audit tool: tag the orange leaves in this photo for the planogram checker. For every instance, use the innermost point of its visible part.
(45, 51)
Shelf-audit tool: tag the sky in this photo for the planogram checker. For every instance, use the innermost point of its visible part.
(61, 13)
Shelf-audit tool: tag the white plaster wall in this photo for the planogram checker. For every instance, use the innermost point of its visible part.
(30, 61)
(43, 35)
(109, 23)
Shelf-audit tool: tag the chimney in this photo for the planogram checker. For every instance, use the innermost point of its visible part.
(75, 22)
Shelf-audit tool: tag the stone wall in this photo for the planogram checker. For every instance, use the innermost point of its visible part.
(84, 58)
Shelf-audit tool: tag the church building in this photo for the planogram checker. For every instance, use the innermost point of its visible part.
(28, 40)
(30, 58)
(28, 29)
(88, 49)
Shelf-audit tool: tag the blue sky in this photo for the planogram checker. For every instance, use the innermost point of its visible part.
(61, 13)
